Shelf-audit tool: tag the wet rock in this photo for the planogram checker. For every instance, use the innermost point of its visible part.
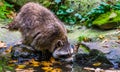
(23, 53)
(105, 46)
(88, 60)
(110, 50)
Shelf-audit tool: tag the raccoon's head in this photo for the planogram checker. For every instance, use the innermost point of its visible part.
(64, 51)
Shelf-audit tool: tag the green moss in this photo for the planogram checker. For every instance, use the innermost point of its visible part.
(109, 17)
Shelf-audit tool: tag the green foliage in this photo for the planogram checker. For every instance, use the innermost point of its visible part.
(85, 49)
(83, 38)
(101, 9)
(64, 12)
(5, 8)
(83, 6)
(69, 13)
(57, 1)
(4, 66)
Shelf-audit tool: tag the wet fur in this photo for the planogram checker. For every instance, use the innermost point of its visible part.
(39, 27)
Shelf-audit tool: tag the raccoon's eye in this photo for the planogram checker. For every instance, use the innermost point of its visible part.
(59, 43)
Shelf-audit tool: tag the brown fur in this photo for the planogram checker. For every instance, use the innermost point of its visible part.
(39, 27)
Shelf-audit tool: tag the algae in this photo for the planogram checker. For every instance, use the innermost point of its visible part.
(109, 17)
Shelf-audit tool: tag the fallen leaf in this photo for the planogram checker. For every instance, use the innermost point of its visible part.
(52, 60)
(86, 39)
(46, 63)
(11, 15)
(47, 69)
(20, 66)
(8, 50)
(97, 64)
(101, 36)
(34, 63)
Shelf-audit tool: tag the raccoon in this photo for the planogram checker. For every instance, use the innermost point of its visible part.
(42, 30)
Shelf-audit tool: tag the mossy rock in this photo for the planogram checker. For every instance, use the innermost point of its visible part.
(108, 20)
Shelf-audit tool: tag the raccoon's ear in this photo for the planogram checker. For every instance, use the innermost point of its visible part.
(59, 43)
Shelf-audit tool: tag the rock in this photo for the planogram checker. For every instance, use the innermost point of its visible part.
(104, 47)
(109, 49)
(23, 53)
(108, 25)
(87, 60)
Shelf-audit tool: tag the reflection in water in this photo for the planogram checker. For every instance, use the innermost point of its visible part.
(65, 67)
(24, 55)
(77, 68)
(25, 59)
